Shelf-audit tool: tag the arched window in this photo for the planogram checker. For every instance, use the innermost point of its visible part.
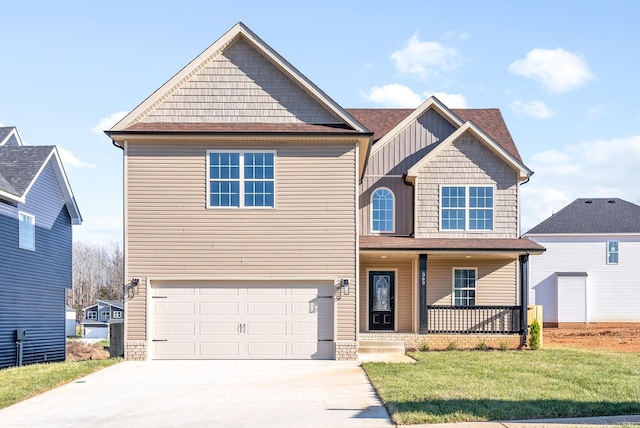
(382, 210)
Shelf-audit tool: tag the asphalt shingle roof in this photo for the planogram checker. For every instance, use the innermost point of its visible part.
(4, 132)
(592, 215)
(20, 165)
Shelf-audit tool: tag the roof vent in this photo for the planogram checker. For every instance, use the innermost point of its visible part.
(588, 201)
(611, 201)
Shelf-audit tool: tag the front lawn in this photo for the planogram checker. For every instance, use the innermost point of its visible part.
(459, 386)
(20, 383)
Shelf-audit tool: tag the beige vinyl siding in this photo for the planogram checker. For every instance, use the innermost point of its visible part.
(403, 195)
(497, 280)
(240, 85)
(467, 162)
(172, 234)
(405, 297)
(387, 165)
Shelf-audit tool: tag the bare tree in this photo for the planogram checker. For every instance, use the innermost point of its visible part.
(97, 274)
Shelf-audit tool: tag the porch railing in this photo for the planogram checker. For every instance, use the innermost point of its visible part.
(473, 319)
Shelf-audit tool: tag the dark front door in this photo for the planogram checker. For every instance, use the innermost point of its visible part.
(381, 300)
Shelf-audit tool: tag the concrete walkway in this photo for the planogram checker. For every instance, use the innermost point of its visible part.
(209, 394)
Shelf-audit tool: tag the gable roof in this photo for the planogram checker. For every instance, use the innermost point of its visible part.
(382, 121)
(480, 135)
(20, 167)
(9, 136)
(592, 216)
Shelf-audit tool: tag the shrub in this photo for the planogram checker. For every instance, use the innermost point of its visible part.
(482, 346)
(452, 346)
(424, 347)
(78, 351)
(534, 330)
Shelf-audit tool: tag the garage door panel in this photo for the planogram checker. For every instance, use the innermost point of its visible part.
(255, 321)
(220, 349)
(219, 308)
(176, 328)
(175, 308)
(267, 329)
(219, 328)
(267, 308)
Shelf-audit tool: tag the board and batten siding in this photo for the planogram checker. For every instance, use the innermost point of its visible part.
(613, 290)
(387, 165)
(33, 283)
(497, 280)
(467, 162)
(404, 297)
(170, 233)
(240, 85)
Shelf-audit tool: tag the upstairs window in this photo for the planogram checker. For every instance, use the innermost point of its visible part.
(612, 252)
(382, 210)
(117, 314)
(464, 287)
(92, 315)
(466, 208)
(241, 179)
(104, 315)
(27, 231)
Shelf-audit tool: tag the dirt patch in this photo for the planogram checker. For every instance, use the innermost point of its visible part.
(77, 351)
(625, 339)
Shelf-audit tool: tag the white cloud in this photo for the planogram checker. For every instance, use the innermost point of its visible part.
(537, 109)
(604, 168)
(556, 69)
(70, 161)
(107, 122)
(424, 59)
(394, 95)
(450, 100)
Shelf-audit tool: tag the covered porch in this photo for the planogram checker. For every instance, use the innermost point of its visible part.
(443, 291)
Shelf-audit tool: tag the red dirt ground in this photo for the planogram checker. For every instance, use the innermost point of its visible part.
(625, 339)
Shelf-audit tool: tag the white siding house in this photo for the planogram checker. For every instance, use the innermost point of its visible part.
(590, 272)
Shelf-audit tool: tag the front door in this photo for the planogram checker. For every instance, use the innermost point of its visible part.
(381, 300)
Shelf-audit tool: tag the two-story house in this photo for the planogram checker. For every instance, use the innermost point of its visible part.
(263, 220)
(37, 211)
(97, 319)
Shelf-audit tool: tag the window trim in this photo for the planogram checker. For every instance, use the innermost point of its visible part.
(241, 179)
(92, 315)
(617, 252)
(393, 212)
(117, 315)
(467, 208)
(453, 286)
(102, 315)
(21, 241)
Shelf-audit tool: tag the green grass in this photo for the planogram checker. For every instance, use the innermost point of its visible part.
(460, 386)
(20, 383)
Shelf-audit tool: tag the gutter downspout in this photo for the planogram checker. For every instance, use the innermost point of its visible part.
(524, 297)
(413, 200)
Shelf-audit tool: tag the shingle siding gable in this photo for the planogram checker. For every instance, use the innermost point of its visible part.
(241, 85)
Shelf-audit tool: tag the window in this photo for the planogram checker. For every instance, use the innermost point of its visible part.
(241, 179)
(92, 315)
(27, 231)
(612, 252)
(464, 287)
(466, 208)
(382, 210)
(117, 314)
(104, 315)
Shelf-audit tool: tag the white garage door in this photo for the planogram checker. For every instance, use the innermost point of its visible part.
(96, 332)
(243, 321)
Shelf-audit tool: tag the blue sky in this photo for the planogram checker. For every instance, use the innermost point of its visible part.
(563, 73)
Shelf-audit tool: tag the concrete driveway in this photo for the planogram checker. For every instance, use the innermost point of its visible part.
(209, 394)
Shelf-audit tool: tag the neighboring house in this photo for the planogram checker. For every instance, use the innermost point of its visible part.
(591, 270)
(98, 318)
(70, 323)
(263, 220)
(37, 210)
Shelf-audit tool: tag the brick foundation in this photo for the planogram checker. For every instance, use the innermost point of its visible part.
(346, 350)
(135, 350)
(437, 342)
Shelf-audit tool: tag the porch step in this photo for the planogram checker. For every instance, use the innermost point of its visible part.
(381, 347)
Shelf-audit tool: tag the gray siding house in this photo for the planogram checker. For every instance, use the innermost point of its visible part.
(97, 319)
(37, 211)
(263, 220)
